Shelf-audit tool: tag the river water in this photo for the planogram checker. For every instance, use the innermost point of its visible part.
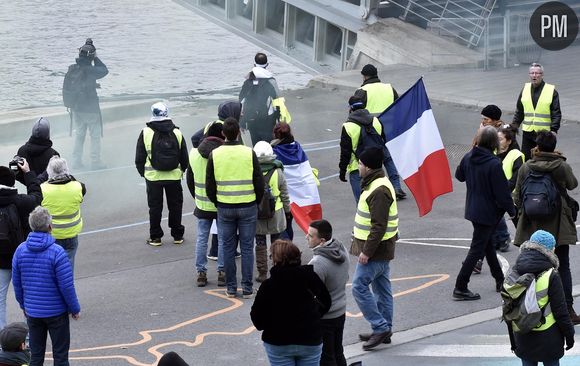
(151, 47)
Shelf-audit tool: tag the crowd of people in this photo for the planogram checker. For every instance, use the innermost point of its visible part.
(241, 197)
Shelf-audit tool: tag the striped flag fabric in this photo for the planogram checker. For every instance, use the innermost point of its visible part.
(415, 145)
(302, 188)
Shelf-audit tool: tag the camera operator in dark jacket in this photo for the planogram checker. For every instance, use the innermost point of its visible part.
(17, 208)
(37, 150)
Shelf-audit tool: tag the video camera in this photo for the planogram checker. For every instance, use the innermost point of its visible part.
(13, 164)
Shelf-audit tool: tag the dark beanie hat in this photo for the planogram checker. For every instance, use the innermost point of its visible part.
(41, 129)
(7, 177)
(171, 359)
(12, 336)
(492, 111)
(372, 157)
(357, 102)
(369, 70)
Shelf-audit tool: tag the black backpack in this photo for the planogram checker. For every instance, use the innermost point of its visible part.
(369, 137)
(73, 86)
(539, 195)
(11, 232)
(165, 151)
(267, 206)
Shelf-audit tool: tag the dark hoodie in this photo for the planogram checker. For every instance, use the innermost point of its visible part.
(141, 154)
(546, 345)
(488, 195)
(330, 262)
(361, 117)
(205, 148)
(14, 358)
(289, 305)
(37, 151)
(88, 101)
(231, 108)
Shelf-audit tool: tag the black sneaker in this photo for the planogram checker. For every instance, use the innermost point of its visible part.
(400, 194)
(465, 295)
(154, 242)
(505, 246)
(364, 337)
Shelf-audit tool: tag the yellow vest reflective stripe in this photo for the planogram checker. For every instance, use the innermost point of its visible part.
(156, 175)
(379, 97)
(542, 283)
(508, 162)
(233, 168)
(206, 128)
(362, 219)
(198, 165)
(274, 189)
(537, 119)
(63, 202)
(353, 131)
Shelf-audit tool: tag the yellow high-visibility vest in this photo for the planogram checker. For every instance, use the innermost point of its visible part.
(508, 162)
(63, 202)
(353, 130)
(156, 175)
(539, 118)
(274, 189)
(379, 97)
(233, 169)
(362, 219)
(542, 284)
(198, 166)
(206, 128)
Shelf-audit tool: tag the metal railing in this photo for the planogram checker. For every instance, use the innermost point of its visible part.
(465, 19)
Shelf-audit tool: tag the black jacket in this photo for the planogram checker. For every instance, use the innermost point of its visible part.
(555, 112)
(141, 153)
(24, 203)
(88, 101)
(289, 305)
(488, 196)
(257, 179)
(361, 117)
(549, 344)
(205, 148)
(37, 152)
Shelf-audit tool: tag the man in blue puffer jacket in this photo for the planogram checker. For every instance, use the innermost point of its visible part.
(44, 287)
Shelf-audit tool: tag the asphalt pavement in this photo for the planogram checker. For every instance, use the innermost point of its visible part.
(139, 301)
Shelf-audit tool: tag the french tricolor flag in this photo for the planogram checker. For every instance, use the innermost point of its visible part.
(302, 189)
(416, 148)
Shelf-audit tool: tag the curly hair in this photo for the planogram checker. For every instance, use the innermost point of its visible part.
(285, 253)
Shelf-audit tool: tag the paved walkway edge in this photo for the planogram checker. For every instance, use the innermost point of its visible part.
(354, 352)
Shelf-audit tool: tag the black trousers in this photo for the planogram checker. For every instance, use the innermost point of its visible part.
(528, 143)
(174, 195)
(332, 351)
(563, 254)
(481, 244)
(58, 328)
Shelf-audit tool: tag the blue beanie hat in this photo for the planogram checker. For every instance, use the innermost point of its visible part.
(544, 239)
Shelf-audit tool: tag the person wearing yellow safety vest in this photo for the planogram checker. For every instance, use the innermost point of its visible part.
(205, 210)
(161, 158)
(562, 224)
(275, 225)
(537, 109)
(260, 98)
(13, 341)
(62, 196)
(376, 229)
(234, 183)
(545, 343)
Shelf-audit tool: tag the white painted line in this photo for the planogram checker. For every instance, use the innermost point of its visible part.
(405, 241)
(501, 350)
(329, 177)
(505, 265)
(436, 239)
(321, 148)
(320, 142)
(125, 226)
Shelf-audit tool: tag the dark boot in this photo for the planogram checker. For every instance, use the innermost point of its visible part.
(573, 316)
(262, 262)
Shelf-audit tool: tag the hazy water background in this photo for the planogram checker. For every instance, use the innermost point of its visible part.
(151, 47)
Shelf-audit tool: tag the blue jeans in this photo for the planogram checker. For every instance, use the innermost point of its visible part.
(546, 363)
(293, 354)
(354, 180)
(501, 234)
(5, 277)
(243, 221)
(59, 330)
(391, 170)
(203, 227)
(70, 245)
(376, 306)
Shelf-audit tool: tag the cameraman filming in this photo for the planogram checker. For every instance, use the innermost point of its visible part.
(14, 228)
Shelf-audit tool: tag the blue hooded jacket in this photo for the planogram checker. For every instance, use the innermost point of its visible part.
(43, 279)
